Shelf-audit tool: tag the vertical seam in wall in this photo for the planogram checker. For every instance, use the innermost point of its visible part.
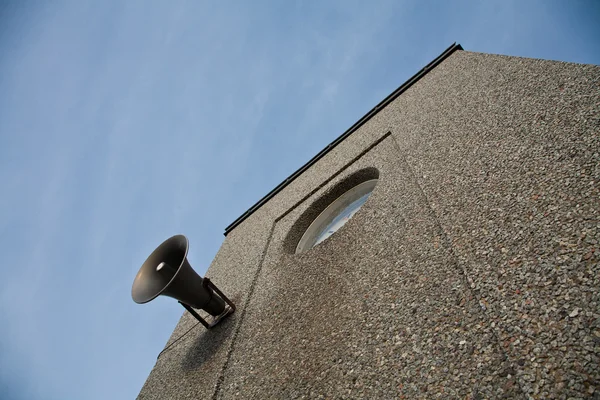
(238, 327)
(456, 262)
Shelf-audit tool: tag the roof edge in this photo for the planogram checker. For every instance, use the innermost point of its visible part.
(391, 97)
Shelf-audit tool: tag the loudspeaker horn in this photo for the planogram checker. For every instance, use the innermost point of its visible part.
(167, 272)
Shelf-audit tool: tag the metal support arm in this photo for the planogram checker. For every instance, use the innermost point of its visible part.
(229, 306)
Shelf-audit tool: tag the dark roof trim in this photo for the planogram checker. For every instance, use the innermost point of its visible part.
(353, 128)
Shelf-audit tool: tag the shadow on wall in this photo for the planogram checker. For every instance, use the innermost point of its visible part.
(208, 342)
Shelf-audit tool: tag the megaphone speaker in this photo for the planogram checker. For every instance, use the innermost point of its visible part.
(167, 272)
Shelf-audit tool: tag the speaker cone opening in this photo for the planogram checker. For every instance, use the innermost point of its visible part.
(150, 281)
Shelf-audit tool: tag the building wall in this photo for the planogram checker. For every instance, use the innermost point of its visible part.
(472, 270)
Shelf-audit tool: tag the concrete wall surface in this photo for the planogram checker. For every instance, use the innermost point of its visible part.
(472, 271)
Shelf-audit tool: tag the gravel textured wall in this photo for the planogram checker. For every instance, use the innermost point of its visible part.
(471, 272)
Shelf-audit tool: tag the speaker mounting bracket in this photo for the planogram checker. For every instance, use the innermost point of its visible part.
(229, 306)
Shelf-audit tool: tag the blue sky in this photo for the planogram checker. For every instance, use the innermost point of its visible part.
(125, 122)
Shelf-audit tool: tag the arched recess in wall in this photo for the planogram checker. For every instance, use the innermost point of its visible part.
(331, 211)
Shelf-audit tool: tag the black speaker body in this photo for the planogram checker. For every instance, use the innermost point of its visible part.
(167, 272)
